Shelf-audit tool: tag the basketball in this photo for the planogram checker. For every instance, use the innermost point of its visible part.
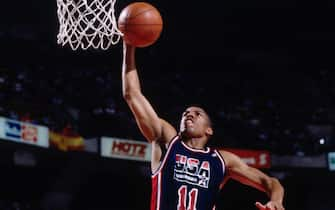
(141, 24)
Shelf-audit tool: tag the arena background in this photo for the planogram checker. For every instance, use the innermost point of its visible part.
(263, 69)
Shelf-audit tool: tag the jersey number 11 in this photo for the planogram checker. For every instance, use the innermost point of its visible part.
(192, 198)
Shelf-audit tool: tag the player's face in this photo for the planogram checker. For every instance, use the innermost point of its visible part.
(195, 123)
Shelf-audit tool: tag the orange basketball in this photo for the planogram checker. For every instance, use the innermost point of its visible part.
(141, 23)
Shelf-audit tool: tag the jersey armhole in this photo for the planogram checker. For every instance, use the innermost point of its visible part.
(165, 153)
(165, 147)
(224, 168)
(164, 150)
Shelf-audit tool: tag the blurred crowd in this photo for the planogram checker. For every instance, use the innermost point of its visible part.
(285, 112)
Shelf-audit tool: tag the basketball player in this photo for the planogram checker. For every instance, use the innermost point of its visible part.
(186, 175)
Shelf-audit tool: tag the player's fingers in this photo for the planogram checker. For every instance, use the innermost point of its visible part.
(260, 206)
(270, 206)
(279, 208)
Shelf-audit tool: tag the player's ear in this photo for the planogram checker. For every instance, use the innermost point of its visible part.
(209, 131)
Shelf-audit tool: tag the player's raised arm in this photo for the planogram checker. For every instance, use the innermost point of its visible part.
(150, 124)
(253, 177)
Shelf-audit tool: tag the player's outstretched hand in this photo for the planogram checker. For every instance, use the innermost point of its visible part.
(271, 205)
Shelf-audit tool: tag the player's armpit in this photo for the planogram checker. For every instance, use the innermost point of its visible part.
(150, 124)
(168, 132)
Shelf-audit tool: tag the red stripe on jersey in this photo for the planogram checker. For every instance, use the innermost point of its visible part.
(156, 192)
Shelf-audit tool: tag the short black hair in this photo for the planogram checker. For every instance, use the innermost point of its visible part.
(207, 109)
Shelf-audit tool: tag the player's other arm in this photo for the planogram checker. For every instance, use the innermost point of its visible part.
(253, 177)
(151, 125)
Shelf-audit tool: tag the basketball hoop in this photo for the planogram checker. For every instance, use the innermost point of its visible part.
(87, 24)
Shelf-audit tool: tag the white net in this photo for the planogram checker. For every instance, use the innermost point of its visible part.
(87, 24)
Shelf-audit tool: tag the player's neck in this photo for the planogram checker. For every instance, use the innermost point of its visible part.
(195, 143)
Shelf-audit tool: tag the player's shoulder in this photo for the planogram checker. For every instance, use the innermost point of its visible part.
(229, 157)
(224, 152)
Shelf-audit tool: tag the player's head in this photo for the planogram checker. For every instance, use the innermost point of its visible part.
(196, 123)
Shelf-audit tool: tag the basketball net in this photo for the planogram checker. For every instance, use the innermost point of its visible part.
(87, 24)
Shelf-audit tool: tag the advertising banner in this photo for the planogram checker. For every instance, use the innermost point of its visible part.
(22, 132)
(254, 158)
(125, 149)
(331, 161)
